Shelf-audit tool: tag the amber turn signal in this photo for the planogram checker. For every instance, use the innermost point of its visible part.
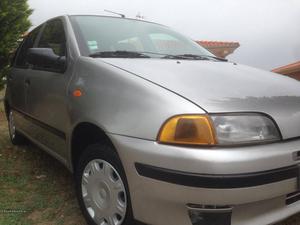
(188, 130)
(77, 93)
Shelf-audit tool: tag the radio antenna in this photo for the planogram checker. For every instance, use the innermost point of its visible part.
(122, 15)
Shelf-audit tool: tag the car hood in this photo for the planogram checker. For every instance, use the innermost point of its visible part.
(219, 87)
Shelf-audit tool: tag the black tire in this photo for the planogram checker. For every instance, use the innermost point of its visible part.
(16, 137)
(107, 153)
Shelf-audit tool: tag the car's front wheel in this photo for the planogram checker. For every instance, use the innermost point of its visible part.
(101, 187)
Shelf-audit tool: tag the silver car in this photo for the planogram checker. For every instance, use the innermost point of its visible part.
(156, 129)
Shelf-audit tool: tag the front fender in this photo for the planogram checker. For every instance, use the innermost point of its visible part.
(120, 102)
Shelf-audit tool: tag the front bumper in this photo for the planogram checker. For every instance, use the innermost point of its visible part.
(162, 200)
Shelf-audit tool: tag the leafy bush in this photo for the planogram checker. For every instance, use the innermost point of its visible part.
(14, 22)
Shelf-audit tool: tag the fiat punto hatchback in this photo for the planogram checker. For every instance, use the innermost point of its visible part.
(156, 129)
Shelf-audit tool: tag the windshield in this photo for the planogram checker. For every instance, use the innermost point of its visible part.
(108, 34)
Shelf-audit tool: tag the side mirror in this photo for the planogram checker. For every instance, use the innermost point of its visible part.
(46, 58)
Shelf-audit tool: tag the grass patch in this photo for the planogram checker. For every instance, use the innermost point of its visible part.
(34, 187)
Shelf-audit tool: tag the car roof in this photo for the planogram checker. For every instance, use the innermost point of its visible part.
(95, 15)
(116, 17)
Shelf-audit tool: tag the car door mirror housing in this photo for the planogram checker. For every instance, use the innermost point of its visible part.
(45, 58)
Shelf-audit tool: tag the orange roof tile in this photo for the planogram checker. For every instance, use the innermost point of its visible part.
(219, 44)
(290, 68)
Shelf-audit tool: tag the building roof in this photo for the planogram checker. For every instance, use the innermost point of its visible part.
(219, 44)
(220, 48)
(288, 69)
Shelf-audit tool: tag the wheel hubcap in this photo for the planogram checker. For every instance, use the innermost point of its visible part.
(103, 193)
(12, 127)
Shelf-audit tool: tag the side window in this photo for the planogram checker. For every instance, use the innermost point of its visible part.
(53, 37)
(27, 43)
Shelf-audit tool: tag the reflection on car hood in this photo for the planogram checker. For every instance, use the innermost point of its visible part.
(224, 87)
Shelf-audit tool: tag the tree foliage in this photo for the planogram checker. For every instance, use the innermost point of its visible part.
(14, 22)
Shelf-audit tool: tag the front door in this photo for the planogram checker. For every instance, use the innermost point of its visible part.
(47, 94)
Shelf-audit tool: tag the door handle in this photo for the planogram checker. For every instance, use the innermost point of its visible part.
(27, 82)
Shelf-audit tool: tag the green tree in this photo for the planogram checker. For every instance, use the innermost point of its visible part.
(14, 21)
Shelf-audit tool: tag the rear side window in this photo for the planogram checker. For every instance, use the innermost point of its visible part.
(53, 37)
(27, 43)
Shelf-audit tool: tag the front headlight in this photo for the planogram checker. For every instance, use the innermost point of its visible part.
(244, 128)
(219, 129)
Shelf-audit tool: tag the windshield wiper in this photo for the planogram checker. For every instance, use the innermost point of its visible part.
(118, 54)
(133, 54)
(185, 56)
(216, 58)
(195, 57)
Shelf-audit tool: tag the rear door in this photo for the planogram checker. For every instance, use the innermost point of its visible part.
(47, 94)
